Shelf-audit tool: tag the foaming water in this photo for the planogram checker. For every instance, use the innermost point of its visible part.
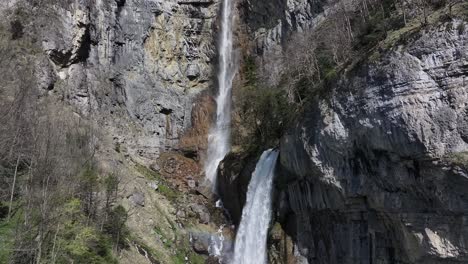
(217, 243)
(219, 137)
(251, 238)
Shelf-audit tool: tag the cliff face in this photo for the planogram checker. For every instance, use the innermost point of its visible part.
(270, 23)
(374, 171)
(138, 70)
(136, 66)
(377, 171)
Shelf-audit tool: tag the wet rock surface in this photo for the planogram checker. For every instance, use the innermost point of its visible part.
(234, 176)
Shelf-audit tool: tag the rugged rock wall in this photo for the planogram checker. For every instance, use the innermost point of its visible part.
(377, 172)
(135, 65)
(270, 23)
(140, 69)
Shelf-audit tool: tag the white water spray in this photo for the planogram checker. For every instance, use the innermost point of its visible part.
(251, 239)
(217, 243)
(219, 137)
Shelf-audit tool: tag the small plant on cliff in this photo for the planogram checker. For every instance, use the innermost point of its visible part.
(163, 187)
(265, 111)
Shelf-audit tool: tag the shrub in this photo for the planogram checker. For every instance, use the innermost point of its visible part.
(265, 111)
(79, 242)
(116, 228)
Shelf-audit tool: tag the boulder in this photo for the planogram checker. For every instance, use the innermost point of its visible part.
(137, 199)
(201, 211)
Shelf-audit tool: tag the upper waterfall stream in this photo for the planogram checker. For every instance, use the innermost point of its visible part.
(219, 137)
(251, 238)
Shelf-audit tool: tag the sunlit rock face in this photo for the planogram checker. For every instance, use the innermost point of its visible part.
(138, 65)
(377, 172)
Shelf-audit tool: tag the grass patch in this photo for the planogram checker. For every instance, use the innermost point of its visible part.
(163, 187)
(459, 158)
(148, 173)
(167, 241)
(7, 230)
(184, 250)
(180, 247)
(168, 192)
(145, 250)
(171, 252)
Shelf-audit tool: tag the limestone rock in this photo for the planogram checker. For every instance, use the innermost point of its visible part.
(200, 243)
(201, 211)
(137, 198)
(154, 185)
(372, 172)
(135, 66)
(191, 183)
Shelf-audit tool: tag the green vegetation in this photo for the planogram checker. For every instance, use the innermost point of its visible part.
(183, 249)
(176, 243)
(7, 235)
(265, 111)
(459, 158)
(72, 238)
(68, 209)
(115, 227)
(163, 186)
(168, 192)
(314, 60)
(148, 173)
(80, 242)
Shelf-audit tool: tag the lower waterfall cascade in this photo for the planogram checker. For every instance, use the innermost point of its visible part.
(251, 239)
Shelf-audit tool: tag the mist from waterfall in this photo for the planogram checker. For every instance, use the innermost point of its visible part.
(219, 137)
(251, 239)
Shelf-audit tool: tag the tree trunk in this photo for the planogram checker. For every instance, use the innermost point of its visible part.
(13, 188)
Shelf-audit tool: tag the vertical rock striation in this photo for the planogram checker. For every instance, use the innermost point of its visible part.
(377, 172)
(136, 65)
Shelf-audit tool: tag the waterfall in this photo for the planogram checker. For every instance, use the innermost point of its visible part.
(251, 238)
(216, 246)
(219, 136)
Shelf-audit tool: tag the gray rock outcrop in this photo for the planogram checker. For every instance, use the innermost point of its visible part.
(136, 66)
(270, 23)
(377, 172)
